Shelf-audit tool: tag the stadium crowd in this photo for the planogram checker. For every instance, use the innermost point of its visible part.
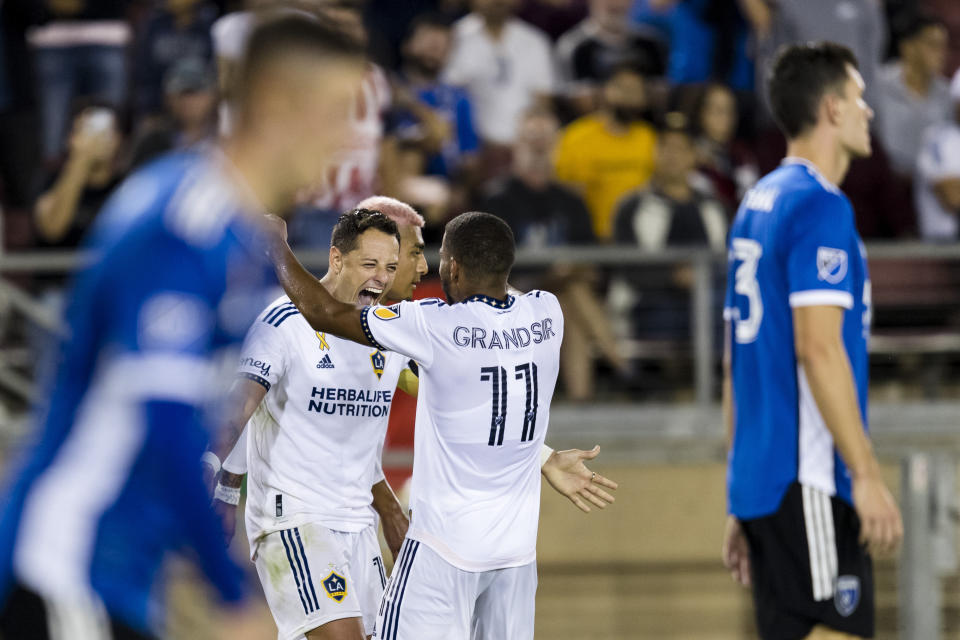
(580, 122)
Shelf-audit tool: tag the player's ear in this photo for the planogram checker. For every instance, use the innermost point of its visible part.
(831, 108)
(336, 261)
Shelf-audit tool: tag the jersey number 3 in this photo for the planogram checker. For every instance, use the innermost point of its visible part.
(497, 377)
(748, 253)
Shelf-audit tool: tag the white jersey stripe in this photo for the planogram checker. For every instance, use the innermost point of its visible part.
(809, 521)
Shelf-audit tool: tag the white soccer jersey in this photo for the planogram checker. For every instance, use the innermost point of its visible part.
(488, 369)
(314, 442)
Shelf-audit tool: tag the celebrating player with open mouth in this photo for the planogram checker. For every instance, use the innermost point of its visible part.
(488, 366)
(318, 407)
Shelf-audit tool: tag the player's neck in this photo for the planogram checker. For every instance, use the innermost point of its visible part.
(255, 169)
(498, 292)
(329, 282)
(831, 160)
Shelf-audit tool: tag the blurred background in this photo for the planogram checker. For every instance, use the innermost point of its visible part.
(616, 137)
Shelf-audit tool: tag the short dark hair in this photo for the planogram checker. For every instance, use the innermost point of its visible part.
(910, 24)
(801, 75)
(481, 243)
(430, 20)
(283, 34)
(352, 224)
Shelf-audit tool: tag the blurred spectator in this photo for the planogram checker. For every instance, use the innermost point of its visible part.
(726, 162)
(543, 213)
(504, 63)
(553, 17)
(708, 40)
(857, 24)
(653, 302)
(177, 29)
(81, 52)
(949, 12)
(937, 185)
(19, 130)
(425, 53)
(588, 53)
(670, 211)
(65, 210)
(913, 93)
(190, 90)
(606, 154)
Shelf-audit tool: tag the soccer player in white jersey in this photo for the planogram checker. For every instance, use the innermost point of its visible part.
(317, 407)
(488, 367)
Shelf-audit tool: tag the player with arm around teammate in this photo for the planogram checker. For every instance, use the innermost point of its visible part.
(488, 366)
(808, 507)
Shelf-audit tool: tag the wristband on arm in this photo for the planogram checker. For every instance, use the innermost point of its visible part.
(229, 495)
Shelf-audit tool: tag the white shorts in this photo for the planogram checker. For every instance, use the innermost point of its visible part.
(312, 575)
(428, 598)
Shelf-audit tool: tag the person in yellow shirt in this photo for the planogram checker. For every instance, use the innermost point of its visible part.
(607, 154)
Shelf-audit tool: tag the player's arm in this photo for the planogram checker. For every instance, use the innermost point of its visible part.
(818, 341)
(394, 521)
(319, 308)
(566, 472)
(735, 551)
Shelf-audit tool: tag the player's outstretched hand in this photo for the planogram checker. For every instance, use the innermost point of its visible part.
(566, 472)
(881, 527)
(736, 552)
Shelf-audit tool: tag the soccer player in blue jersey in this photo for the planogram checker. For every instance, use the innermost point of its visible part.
(113, 482)
(807, 503)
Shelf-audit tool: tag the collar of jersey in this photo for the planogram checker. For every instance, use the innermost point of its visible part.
(493, 302)
(812, 168)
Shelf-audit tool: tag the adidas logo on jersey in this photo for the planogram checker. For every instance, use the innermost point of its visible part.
(326, 363)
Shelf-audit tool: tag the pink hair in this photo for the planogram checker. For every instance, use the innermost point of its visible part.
(399, 212)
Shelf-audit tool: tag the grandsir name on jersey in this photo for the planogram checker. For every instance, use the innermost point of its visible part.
(488, 369)
(314, 443)
(792, 244)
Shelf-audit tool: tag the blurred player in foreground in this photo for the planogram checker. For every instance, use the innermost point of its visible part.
(339, 423)
(114, 482)
(488, 365)
(807, 504)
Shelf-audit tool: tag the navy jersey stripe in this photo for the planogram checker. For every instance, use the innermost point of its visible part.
(293, 570)
(403, 588)
(286, 315)
(277, 310)
(306, 565)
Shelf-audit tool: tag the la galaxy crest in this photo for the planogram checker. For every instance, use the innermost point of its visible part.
(336, 586)
(378, 361)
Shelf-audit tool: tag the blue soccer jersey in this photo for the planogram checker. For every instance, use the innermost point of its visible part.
(793, 244)
(114, 482)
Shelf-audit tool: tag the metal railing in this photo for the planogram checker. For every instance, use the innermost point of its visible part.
(702, 307)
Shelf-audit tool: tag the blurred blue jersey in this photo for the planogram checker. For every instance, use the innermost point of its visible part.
(793, 244)
(114, 481)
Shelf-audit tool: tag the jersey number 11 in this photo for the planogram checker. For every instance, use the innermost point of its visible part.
(497, 377)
